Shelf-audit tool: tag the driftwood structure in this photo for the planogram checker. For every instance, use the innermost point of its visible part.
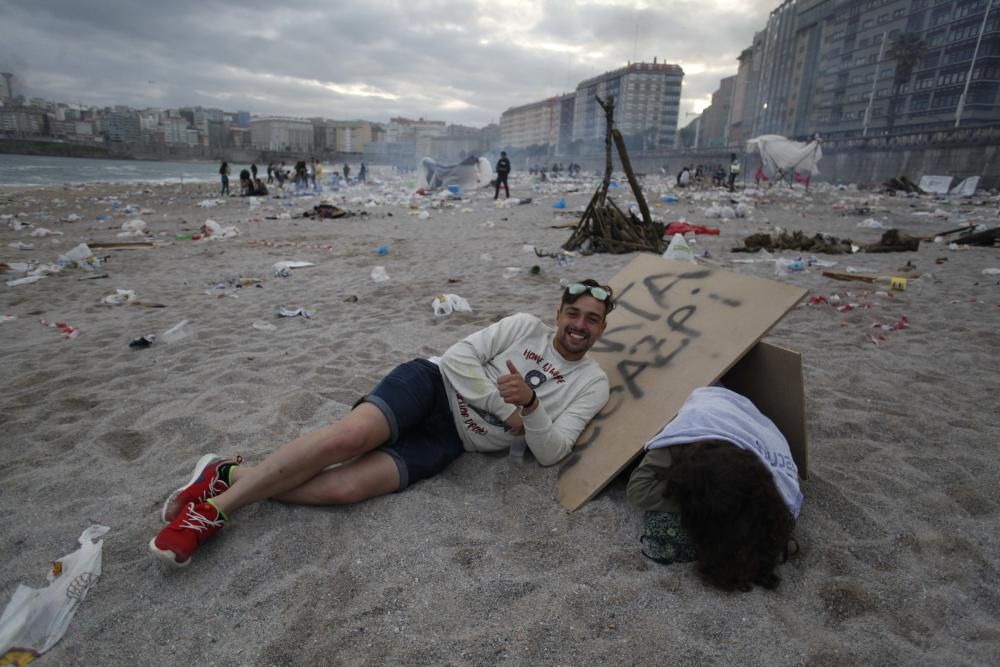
(604, 227)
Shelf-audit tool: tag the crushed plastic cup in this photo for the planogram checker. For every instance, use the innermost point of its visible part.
(379, 274)
(120, 297)
(177, 333)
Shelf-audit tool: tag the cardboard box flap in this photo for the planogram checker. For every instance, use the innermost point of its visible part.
(678, 326)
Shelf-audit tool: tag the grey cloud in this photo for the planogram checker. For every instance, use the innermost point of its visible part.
(110, 53)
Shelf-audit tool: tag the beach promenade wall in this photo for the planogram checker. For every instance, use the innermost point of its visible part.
(959, 153)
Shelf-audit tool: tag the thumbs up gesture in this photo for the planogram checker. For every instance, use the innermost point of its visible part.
(513, 388)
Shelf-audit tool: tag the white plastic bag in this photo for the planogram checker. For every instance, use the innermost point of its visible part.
(679, 250)
(36, 618)
(446, 304)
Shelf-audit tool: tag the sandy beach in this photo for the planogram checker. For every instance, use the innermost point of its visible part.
(900, 547)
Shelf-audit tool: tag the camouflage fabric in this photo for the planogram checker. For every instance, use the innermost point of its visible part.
(664, 540)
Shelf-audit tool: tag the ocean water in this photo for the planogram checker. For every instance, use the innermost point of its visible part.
(36, 170)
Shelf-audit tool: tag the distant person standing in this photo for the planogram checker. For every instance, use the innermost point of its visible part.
(224, 173)
(503, 170)
(363, 172)
(253, 170)
(734, 171)
(347, 173)
(319, 175)
(270, 173)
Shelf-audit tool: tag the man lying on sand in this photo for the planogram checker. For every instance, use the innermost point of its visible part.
(720, 488)
(514, 383)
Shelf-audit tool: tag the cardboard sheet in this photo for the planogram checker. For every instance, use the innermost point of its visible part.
(678, 326)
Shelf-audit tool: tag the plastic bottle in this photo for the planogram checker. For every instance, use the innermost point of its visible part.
(517, 450)
(177, 333)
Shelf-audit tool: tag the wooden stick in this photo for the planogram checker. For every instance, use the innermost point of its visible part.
(627, 166)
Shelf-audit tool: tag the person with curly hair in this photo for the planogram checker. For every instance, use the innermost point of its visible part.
(720, 488)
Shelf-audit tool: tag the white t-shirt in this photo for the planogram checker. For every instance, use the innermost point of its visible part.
(715, 413)
(569, 393)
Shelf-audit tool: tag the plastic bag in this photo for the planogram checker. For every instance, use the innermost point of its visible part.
(379, 274)
(679, 250)
(446, 304)
(36, 618)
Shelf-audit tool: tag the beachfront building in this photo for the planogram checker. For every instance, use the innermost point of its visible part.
(647, 101)
(714, 130)
(852, 68)
(544, 123)
(123, 125)
(353, 135)
(276, 133)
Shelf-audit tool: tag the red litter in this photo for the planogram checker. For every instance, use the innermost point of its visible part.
(67, 331)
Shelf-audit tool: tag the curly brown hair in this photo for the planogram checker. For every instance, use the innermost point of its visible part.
(732, 510)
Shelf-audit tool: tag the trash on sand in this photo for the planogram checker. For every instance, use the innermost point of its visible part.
(296, 312)
(382, 250)
(68, 332)
(177, 333)
(213, 230)
(283, 269)
(133, 228)
(991, 272)
(27, 280)
(785, 266)
(560, 204)
(261, 325)
(142, 342)
(20, 245)
(379, 275)
(424, 215)
(210, 203)
(511, 271)
(679, 250)
(870, 223)
(119, 297)
(446, 304)
(80, 256)
(42, 232)
(684, 228)
(35, 619)
(7, 317)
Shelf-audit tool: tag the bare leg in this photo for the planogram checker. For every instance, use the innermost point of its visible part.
(373, 474)
(295, 463)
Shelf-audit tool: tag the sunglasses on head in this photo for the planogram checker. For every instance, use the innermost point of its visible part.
(599, 293)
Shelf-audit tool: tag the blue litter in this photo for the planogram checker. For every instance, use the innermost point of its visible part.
(454, 189)
(560, 204)
(382, 250)
(669, 200)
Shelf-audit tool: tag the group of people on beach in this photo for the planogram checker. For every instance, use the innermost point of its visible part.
(710, 481)
(721, 175)
(305, 175)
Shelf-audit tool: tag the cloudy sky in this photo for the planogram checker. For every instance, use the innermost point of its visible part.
(463, 61)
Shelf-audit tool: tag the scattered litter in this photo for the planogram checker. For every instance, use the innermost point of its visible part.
(142, 342)
(261, 325)
(177, 333)
(133, 228)
(20, 245)
(210, 203)
(561, 204)
(27, 280)
(685, 228)
(36, 619)
(424, 215)
(991, 272)
(283, 269)
(81, 256)
(72, 217)
(379, 275)
(679, 250)
(7, 317)
(296, 312)
(41, 232)
(511, 271)
(382, 250)
(120, 297)
(213, 230)
(786, 266)
(68, 332)
(446, 304)
(870, 223)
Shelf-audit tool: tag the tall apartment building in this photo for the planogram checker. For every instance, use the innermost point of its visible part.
(123, 125)
(540, 123)
(829, 66)
(647, 101)
(282, 134)
(716, 116)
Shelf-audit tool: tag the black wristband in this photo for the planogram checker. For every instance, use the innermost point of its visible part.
(531, 402)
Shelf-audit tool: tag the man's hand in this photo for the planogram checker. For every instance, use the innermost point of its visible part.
(513, 388)
(515, 423)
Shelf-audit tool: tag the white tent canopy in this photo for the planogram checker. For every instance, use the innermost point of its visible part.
(470, 173)
(783, 157)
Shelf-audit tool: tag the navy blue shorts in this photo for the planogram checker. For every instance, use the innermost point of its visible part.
(423, 439)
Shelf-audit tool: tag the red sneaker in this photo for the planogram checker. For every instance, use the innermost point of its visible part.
(188, 531)
(204, 484)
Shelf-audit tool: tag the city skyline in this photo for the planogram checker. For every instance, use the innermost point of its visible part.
(444, 60)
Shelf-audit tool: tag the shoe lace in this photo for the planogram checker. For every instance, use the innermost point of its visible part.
(199, 522)
(217, 485)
